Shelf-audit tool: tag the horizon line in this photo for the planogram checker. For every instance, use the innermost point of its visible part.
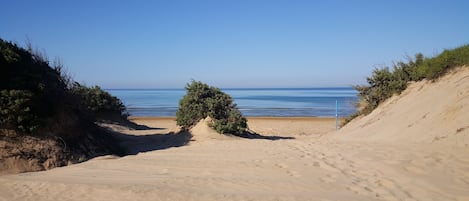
(237, 88)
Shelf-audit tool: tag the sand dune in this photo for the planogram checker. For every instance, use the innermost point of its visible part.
(414, 147)
(427, 112)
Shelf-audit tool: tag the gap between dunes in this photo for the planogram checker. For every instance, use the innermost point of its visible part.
(413, 147)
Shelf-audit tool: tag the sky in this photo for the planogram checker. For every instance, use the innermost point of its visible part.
(232, 43)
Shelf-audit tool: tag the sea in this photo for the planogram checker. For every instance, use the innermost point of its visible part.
(270, 102)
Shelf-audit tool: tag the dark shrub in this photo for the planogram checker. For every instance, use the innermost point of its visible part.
(203, 101)
(15, 111)
(30, 89)
(235, 123)
(33, 94)
(39, 103)
(95, 101)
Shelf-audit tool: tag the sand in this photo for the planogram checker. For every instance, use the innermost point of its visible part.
(427, 112)
(399, 152)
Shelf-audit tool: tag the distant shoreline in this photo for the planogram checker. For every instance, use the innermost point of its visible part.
(248, 117)
(313, 102)
(240, 88)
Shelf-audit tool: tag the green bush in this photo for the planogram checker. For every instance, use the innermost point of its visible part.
(203, 101)
(437, 66)
(384, 83)
(15, 111)
(235, 123)
(381, 85)
(95, 101)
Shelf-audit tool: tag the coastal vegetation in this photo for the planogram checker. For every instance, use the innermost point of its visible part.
(385, 82)
(39, 101)
(33, 92)
(201, 101)
(97, 102)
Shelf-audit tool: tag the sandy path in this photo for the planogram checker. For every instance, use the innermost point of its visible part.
(309, 167)
(415, 146)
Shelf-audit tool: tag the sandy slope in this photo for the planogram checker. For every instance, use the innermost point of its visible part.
(427, 112)
(374, 158)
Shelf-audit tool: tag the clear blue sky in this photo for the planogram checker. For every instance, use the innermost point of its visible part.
(227, 43)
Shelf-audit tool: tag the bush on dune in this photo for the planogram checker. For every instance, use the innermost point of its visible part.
(40, 103)
(435, 67)
(203, 101)
(30, 88)
(384, 83)
(33, 94)
(15, 111)
(95, 101)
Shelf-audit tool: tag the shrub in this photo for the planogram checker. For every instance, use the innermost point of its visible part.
(30, 89)
(235, 123)
(40, 101)
(203, 101)
(33, 94)
(381, 85)
(437, 66)
(95, 101)
(15, 111)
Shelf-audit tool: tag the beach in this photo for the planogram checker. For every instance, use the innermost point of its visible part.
(403, 150)
(234, 101)
(288, 126)
(303, 163)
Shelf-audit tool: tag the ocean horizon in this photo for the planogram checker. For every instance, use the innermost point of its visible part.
(269, 102)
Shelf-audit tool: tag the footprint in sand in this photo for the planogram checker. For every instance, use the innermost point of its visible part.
(414, 169)
(461, 181)
(281, 165)
(361, 189)
(385, 183)
(316, 164)
(306, 155)
(328, 179)
(260, 161)
(293, 173)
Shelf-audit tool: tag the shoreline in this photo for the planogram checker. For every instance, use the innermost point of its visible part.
(267, 126)
(249, 117)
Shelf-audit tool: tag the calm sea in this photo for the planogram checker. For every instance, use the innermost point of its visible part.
(251, 102)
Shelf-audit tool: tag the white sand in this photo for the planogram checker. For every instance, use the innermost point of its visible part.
(412, 148)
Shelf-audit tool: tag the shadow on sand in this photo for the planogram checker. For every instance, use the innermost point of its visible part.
(254, 135)
(134, 144)
(128, 124)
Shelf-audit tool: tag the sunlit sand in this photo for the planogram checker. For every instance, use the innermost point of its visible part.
(413, 147)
